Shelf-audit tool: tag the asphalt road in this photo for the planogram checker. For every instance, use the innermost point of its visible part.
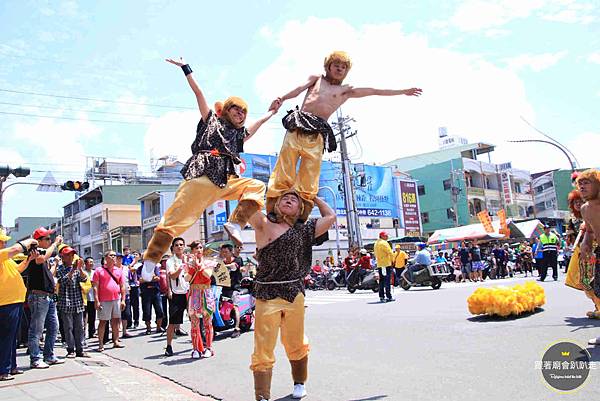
(424, 346)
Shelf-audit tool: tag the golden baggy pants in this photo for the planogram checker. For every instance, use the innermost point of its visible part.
(272, 315)
(191, 200)
(308, 147)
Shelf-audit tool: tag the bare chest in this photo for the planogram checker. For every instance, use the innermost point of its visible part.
(323, 99)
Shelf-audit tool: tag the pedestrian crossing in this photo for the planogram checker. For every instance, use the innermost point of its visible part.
(336, 297)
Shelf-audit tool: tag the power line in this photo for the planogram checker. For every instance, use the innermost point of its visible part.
(96, 99)
(73, 118)
(85, 110)
(105, 100)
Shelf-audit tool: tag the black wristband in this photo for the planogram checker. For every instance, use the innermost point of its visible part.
(187, 70)
(22, 246)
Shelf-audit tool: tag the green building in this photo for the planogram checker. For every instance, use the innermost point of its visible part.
(454, 185)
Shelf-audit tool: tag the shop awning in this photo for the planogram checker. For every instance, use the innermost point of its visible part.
(471, 232)
(531, 228)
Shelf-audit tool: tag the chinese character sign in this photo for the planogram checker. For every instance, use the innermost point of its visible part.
(486, 220)
(503, 225)
(410, 207)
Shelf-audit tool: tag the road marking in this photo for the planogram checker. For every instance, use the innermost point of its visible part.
(334, 298)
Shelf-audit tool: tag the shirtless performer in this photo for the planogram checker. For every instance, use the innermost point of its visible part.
(588, 183)
(284, 254)
(309, 134)
(209, 174)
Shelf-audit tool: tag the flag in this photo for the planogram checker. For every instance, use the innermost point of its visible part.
(486, 220)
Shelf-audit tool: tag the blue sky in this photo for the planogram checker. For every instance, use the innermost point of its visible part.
(481, 64)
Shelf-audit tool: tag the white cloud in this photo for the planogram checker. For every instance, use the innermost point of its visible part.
(475, 15)
(570, 12)
(585, 147)
(171, 134)
(479, 15)
(535, 62)
(594, 58)
(56, 142)
(471, 96)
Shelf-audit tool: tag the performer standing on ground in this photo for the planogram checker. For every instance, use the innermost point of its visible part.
(284, 253)
(210, 173)
(579, 273)
(309, 134)
(588, 183)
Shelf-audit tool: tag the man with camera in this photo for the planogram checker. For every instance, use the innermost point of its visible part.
(42, 301)
(70, 300)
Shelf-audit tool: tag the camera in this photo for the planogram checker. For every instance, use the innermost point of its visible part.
(34, 247)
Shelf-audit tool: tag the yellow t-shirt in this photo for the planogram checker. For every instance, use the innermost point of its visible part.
(400, 258)
(12, 287)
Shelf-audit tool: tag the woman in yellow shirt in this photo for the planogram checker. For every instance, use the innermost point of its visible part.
(12, 297)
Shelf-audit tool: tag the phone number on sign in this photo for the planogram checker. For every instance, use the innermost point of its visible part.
(369, 212)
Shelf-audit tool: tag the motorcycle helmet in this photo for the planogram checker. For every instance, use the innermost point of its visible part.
(363, 251)
(421, 245)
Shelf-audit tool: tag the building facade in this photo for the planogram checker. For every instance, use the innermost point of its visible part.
(106, 217)
(551, 189)
(454, 184)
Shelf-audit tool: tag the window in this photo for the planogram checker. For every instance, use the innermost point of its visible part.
(450, 213)
(425, 217)
(447, 184)
(518, 188)
(421, 190)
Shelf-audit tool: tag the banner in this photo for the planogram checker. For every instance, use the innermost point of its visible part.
(486, 220)
(410, 208)
(506, 188)
(373, 185)
(503, 225)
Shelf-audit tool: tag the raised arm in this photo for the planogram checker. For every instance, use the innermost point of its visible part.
(362, 92)
(276, 104)
(202, 104)
(258, 123)
(258, 221)
(327, 217)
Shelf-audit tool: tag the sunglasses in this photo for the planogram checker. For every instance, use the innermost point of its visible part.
(112, 255)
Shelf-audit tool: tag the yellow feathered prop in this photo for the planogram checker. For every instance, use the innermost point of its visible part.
(504, 301)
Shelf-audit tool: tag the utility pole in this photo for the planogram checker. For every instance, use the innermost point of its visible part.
(354, 236)
(455, 190)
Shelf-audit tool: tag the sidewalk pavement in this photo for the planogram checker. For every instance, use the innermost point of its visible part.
(100, 377)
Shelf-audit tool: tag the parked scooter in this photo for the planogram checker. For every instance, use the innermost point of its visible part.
(431, 276)
(336, 278)
(370, 281)
(224, 316)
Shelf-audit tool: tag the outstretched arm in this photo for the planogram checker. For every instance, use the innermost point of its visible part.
(362, 92)
(276, 104)
(202, 105)
(257, 124)
(327, 217)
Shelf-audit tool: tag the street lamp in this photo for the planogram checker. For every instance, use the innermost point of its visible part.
(5, 172)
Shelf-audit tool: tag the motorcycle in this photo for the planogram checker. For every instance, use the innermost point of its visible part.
(336, 278)
(430, 276)
(224, 316)
(370, 281)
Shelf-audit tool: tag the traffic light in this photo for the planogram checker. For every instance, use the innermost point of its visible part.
(77, 186)
(18, 172)
(21, 172)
